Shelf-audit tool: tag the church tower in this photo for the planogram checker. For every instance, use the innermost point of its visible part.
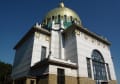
(61, 51)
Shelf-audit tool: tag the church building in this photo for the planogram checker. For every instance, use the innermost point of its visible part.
(59, 50)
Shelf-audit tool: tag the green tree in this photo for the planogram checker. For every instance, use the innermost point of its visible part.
(5, 72)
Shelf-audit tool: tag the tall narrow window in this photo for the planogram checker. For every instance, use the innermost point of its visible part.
(89, 68)
(108, 70)
(65, 18)
(60, 76)
(43, 52)
(48, 20)
(53, 17)
(71, 18)
(59, 18)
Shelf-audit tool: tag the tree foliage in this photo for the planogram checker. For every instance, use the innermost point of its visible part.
(5, 72)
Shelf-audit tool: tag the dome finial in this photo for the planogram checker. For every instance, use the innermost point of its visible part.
(61, 4)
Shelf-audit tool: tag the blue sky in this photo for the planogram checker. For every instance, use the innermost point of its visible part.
(17, 17)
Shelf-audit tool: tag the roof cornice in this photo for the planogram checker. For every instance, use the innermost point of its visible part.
(85, 30)
(30, 33)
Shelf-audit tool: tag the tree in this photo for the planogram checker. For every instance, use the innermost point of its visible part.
(5, 72)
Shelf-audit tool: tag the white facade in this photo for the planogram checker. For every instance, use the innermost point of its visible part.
(39, 41)
(85, 46)
(75, 47)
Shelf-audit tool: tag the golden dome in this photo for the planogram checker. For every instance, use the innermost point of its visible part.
(62, 12)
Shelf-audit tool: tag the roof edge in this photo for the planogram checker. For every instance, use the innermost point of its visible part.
(98, 37)
(30, 33)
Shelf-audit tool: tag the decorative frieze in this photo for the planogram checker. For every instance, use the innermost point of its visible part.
(77, 32)
(37, 35)
(90, 39)
(43, 37)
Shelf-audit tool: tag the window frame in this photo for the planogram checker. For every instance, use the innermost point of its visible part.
(89, 67)
(43, 52)
(99, 69)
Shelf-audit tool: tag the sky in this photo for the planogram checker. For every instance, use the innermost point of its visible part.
(18, 16)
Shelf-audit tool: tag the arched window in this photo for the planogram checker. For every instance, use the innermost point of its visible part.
(99, 70)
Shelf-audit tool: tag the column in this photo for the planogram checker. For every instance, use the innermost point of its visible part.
(92, 69)
(106, 71)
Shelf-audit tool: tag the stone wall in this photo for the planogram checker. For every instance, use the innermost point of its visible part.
(42, 81)
(71, 80)
(68, 79)
(52, 79)
(85, 80)
(112, 82)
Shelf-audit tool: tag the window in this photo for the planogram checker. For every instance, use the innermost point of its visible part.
(71, 18)
(108, 70)
(60, 76)
(48, 20)
(89, 68)
(98, 66)
(53, 17)
(31, 81)
(59, 18)
(65, 18)
(43, 52)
